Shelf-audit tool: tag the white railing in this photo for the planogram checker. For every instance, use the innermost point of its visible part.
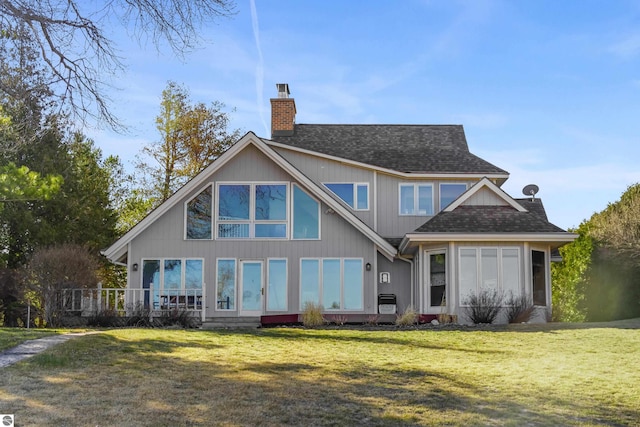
(127, 301)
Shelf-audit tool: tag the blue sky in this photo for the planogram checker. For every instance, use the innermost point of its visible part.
(547, 90)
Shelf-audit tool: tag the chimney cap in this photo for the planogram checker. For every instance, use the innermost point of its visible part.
(283, 90)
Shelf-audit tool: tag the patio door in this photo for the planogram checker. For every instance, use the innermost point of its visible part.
(251, 288)
(436, 281)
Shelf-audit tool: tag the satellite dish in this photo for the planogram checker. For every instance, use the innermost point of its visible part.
(530, 190)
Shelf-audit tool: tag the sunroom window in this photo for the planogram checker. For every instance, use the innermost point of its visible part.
(489, 269)
(252, 211)
(356, 195)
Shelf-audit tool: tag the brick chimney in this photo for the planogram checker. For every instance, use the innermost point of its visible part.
(283, 112)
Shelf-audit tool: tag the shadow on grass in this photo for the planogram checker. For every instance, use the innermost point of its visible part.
(112, 380)
(355, 336)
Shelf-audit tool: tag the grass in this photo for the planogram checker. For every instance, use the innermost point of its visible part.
(552, 375)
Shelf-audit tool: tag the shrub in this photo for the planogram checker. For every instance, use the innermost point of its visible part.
(139, 316)
(373, 320)
(312, 315)
(519, 308)
(408, 318)
(484, 306)
(105, 319)
(177, 317)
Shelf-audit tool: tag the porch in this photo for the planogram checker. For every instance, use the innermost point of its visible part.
(130, 302)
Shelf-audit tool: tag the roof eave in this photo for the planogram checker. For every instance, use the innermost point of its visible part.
(559, 238)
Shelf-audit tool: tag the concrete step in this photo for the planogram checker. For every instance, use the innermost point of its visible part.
(231, 322)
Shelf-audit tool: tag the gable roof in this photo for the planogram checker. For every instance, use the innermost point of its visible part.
(120, 248)
(492, 219)
(402, 148)
(500, 219)
(467, 197)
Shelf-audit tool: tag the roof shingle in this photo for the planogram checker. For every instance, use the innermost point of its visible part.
(403, 148)
(492, 219)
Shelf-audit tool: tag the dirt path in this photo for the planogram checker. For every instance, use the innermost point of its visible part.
(32, 347)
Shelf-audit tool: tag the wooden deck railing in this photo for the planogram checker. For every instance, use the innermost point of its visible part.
(127, 301)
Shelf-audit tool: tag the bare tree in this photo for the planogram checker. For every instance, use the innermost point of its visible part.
(53, 269)
(72, 43)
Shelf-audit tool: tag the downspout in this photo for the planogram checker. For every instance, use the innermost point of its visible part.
(411, 263)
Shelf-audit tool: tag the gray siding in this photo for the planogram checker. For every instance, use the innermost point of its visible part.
(400, 281)
(326, 171)
(165, 239)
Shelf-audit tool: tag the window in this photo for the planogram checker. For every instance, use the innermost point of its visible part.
(252, 211)
(277, 285)
(489, 268)
(356, 195)
(306, 215)
(309, 281)
(198, 215)
(335, 283)
(416, 199)
(450, 192)
(175, 282)
(539, 278)
(226, 284)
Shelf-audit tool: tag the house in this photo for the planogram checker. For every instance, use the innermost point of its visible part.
(366, 220)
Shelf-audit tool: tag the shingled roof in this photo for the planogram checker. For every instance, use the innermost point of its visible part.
(492, 219)
(403, 148)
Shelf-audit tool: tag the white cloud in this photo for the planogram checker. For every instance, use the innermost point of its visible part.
(627, 47)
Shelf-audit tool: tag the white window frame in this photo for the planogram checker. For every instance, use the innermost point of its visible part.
(416, 199)
(159, 288)
(252, 222)
(356, 185)
(342, 283)
(186, 206)
(500, 278)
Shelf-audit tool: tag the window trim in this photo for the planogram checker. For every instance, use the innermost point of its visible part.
(342, 283)
(416, 198)
(499, 265)
(183, 276)
(252, 221)
(355, 185)
(186, 208)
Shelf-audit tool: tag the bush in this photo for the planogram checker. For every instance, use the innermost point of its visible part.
(139, 316)
(408, 318)
(312, 315)
(519, 308)
(484, 306)
(177, 317)
(106, 319)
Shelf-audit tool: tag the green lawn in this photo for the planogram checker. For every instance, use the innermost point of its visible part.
(551, 375)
